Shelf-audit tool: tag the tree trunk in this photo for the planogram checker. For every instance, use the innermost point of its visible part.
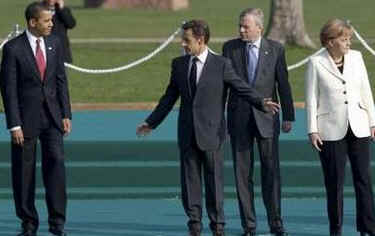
(286, 24)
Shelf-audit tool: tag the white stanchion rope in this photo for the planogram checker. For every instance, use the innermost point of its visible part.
(137, 62)
(5, 41)
(372, 51)
(304, 61)
(169, 40)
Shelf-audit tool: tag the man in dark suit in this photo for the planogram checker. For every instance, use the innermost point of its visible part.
(36, 100)
(63, 21)
(260, 63)
(201, 80)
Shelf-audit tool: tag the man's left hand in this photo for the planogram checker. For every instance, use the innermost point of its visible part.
(286, 126)
(67, 124)
(270, 106)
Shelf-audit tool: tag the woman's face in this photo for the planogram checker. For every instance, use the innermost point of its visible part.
(340, 45)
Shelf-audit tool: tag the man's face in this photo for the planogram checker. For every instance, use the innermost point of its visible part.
(42, 25)
(192, 45)
(249, 29)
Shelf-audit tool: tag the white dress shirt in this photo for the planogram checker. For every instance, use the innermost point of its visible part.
(200, 63)
(256, 47)
(32, 40)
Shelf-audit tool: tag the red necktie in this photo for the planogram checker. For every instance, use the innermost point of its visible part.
(40, 59)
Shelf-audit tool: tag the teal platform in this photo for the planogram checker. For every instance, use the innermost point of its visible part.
(106, 160)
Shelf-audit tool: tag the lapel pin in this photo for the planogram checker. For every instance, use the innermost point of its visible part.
(49, 48)
(266, 52)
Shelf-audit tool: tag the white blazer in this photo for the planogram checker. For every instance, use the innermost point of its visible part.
(334, 100)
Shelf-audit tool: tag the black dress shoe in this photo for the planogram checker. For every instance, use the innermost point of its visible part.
(218, 233)
(27, 232)
(249, 234)
(57, 232)
(194, 233)
(367, 234)
(280, 233)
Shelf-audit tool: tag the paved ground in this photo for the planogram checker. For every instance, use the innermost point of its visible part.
(165, 217)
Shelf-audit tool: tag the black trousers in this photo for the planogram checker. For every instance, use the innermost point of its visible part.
(53, 172)
(194, 161)
(270, 176)
(333, 158)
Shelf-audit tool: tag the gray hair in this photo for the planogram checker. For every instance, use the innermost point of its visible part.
(257, 13)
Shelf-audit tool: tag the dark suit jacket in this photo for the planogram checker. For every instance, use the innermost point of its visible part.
(62, 21)
(22, 89)
(203, 115)
(271, 81)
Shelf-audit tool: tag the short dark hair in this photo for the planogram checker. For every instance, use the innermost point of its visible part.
(33, 10)
(199, 28)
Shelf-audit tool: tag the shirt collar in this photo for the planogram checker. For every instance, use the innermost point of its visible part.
(32, 39)
(202, 57)
(256, 43)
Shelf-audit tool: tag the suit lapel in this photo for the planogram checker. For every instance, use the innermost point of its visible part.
(185, 72)
(49, 56)
(205, 70)
(240, 53)
(262, 59)
(30, 57)
(327, 62)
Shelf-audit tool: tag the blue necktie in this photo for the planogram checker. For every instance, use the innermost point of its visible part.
(252, 62)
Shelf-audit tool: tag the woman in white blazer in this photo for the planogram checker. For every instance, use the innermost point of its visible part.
(340, 121)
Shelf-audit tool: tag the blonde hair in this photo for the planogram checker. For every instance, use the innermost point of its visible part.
(334, 28)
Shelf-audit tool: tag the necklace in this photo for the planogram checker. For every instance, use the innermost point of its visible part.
(339, 62)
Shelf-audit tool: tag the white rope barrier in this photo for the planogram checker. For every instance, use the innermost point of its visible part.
(165, 44)
(363, 42)
(304, 61)
(137, 62)
(5, 41)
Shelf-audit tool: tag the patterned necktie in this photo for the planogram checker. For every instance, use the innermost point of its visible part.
(193, 76)
(252, 62)
(40, 59)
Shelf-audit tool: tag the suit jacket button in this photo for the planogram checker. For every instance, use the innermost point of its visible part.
(344, 92)
(346, 102)
(343, 82)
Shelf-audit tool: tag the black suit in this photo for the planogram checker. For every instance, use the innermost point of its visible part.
(38, 108)
(62, 21)
(246, 123)
(201, 131)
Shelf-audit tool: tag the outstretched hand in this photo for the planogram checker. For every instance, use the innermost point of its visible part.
(270, 106)
(143, 129)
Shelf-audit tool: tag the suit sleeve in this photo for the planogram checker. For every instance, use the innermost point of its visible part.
(366, 93)
(283, 87)
(311, 97)
(166, 102)
(67, 18)
(9, 87)
(242, 88)
(62, 85)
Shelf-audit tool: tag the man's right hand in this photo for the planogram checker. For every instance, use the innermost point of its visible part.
(143, 129)
(17, 137)
(270, 106)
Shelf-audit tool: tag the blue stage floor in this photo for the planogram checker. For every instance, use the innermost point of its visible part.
(165, 217)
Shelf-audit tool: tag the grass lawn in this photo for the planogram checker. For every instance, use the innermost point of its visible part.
(146, 82)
